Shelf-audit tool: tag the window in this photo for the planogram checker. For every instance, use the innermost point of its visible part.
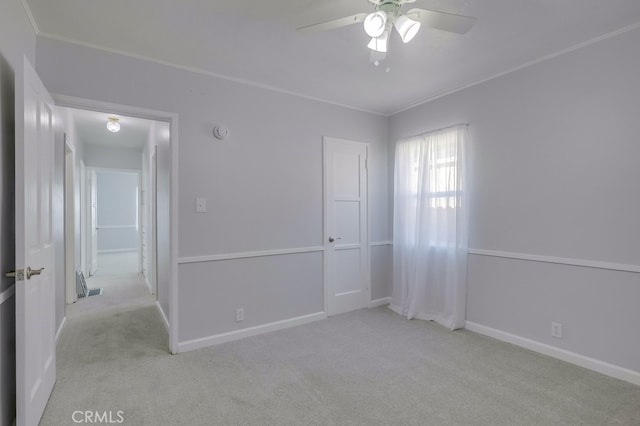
(429, 184)
(430, 227)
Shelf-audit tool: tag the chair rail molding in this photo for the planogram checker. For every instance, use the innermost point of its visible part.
(248, 254)
(558, 260)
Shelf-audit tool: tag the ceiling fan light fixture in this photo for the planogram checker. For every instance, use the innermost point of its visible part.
(407, 28)
(379, 44)
(375, 23)
(113, 125)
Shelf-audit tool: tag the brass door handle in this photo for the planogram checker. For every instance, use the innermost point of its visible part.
(32, 272)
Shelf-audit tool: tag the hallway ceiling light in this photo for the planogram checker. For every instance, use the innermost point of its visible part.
(113, 125)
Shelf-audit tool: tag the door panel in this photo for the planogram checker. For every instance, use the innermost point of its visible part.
(35, 298)
(346, 228)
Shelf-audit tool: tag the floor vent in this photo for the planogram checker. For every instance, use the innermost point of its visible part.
(81, 287)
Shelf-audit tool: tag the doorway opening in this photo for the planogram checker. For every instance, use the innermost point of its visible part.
(118, 209)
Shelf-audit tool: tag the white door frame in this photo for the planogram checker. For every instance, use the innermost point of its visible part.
(84, 229)
(172, 119)
(365, 239)
(138, 174)
(69, 222)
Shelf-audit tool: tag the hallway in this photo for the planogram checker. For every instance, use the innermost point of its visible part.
(105, 334)
(123, 287)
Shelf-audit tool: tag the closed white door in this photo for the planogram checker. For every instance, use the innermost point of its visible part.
(346, 230)
(35, 257)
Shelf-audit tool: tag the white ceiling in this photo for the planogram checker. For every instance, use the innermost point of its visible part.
(256, 41)
(91, 128)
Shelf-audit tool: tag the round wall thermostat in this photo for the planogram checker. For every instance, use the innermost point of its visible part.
(220, 132)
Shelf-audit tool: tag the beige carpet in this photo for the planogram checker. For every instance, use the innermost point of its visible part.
(369, 367)
(123, 286)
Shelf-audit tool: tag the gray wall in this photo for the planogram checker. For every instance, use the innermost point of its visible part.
(554, 169)
(17, 39)
(111, 157)
(117, 211)
(263, 184)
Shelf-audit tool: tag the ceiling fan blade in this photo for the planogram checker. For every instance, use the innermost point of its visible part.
(334, 23)
(442, 21)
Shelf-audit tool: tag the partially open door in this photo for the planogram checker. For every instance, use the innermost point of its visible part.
(35, 282)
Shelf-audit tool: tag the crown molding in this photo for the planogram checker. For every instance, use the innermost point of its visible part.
(207, 73)
(32, 21)
(520, 67)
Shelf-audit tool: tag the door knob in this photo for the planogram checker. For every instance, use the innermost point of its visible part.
(331, 239)
(32, 272)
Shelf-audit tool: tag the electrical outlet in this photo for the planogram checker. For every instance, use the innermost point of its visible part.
(556, 330)
(239, 314)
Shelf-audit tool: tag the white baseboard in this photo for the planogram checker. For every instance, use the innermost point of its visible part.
(124, 250)
(163, 315)
(380, 302)
(248, 332)
(564, 355)
(59, 332)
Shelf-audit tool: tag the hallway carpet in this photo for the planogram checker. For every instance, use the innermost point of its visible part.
(368, 367)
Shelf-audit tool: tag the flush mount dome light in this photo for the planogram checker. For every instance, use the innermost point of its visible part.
(375, 23)
(407, 28)
(113, 125)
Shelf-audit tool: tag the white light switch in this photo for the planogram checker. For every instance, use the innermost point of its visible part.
(201, 205)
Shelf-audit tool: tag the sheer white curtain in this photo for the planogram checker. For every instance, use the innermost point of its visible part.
(430, 227)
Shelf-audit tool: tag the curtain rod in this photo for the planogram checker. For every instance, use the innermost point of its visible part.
(432, 131)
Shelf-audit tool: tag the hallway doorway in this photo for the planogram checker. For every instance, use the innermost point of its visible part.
(112, 204)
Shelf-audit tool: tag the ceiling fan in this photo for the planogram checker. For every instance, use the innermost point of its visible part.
(387, 14)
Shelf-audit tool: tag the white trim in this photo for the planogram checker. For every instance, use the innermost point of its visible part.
(114, 170)
(124, 250)
(117, 227)
(59, 332)
(559, 260)
(519, 67)
(108, 107)
(248, 332)
(201, 71)
(562, 354)
(32, 21)
(380, 302)
(7, 294)
(247, 254)
(172, 119)
(381, 243)
(165, 321)
(173, 237)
